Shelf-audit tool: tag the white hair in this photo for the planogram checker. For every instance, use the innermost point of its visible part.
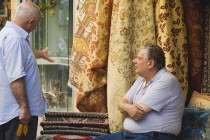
(27, 10)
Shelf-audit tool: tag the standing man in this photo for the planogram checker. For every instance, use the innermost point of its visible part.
(21, 97)
(154, 105)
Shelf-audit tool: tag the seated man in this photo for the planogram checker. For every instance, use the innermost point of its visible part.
(154, 105)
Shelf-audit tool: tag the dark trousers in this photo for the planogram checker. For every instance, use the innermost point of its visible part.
(123, 135)
(9, 129)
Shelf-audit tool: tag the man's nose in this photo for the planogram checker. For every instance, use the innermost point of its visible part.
(134, 60)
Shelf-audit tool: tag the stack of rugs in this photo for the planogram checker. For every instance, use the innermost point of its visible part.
(73, 125)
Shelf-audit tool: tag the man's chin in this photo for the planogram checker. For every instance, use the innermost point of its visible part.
(136, 72)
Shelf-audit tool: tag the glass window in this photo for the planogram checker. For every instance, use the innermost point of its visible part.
(55, 31)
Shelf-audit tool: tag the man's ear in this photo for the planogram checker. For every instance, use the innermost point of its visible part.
(151, 63)
(31, 21)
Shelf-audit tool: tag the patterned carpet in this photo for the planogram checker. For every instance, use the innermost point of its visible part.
(73, 125)
(64, 137)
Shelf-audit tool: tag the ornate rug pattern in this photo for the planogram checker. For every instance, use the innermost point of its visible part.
(64, 137)
(195, 124)
(88, 62)
(132, 26)
(171, 36)
(194, 20)
(116, 30)
(75, 123)
(206, 64)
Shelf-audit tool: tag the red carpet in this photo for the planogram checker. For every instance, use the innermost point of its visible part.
(71, 137)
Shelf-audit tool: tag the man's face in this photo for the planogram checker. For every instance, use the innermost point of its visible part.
(141, 62)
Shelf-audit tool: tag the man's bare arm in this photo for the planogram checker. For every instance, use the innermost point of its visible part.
(42, 54)
(126, 106)
(19, 90)
(145, 109)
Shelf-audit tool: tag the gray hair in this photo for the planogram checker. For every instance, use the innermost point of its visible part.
(156, 53)
(27, 10)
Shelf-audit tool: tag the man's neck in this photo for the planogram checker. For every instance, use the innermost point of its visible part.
(151, 74)
(21, 24)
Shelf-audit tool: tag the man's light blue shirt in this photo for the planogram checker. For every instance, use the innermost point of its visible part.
(17, 60)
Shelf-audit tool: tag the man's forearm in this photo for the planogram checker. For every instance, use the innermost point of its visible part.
(124, 106)
(127, 107)
(42, 54)
(19, 90)
(37, 53)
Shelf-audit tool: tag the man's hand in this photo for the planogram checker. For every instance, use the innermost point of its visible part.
(136, 112)
(46, 56)
(42, 54)
(25, 116)
(18, 88)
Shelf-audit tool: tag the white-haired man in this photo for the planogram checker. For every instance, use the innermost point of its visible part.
(21, 99)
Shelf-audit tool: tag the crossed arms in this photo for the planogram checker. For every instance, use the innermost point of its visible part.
(136, 111)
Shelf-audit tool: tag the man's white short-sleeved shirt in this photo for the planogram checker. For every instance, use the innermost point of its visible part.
(16, 61)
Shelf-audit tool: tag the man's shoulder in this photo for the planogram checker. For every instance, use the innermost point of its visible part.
(168, 74)
(168, 78)
(9, 40)
(10, 36)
